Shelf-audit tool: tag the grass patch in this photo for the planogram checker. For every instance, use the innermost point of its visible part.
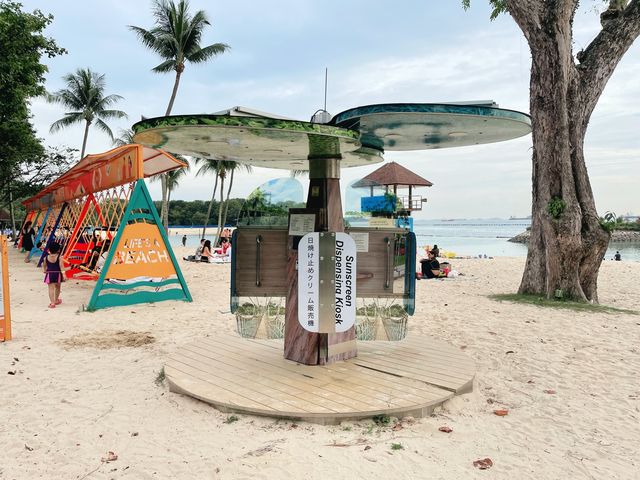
(382, 420)
(554, 303)
(160, 377)
(397, 446)
(231, 419)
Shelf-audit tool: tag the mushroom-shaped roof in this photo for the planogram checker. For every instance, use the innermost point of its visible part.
(392, 174)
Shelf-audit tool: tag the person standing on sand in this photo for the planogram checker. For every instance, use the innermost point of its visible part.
(27, 239)
(184, 240)
(53, 274)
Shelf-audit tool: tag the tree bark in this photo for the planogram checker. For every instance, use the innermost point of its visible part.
(12, 214)
(567, 244)
(164, 209)
(213, 197)
(174, 92)
(84, 139)
(226, 204)
(219, 230)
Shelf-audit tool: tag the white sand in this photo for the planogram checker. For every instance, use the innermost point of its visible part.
(67, 406)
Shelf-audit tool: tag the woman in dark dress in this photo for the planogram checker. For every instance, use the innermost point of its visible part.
(27, 239)
(53, 274)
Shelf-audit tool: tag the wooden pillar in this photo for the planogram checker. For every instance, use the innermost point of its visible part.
(325, 200)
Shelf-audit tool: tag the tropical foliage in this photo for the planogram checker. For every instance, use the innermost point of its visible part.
(176, 38)
(85, 96)
(22, 76)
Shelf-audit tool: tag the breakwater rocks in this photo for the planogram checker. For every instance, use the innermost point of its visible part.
(616, 236)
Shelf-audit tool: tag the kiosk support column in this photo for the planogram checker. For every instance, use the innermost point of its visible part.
(325, 201)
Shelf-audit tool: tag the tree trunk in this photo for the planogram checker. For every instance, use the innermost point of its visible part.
(213, 197)
(12, 214)
(219, 230)
(567, 242)
(226, 202)
(164, 209)
(174, 91)
(84, 139)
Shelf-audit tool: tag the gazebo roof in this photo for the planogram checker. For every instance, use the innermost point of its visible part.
(392, 174)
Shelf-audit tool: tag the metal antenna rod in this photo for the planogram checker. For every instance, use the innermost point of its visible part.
(326, 73)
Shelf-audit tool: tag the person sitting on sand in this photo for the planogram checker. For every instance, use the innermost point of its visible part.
(430, 266)
(436, 250)
(207, 254)
(224, 247)
(198, 255)
(617, 257)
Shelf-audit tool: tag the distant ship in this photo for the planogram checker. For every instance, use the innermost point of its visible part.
(520, 218)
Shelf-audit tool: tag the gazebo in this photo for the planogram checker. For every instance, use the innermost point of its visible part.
(394, 174)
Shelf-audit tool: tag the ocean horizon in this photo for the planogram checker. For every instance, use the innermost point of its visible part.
(473, 237)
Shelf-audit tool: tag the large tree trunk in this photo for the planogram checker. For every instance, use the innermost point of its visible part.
(567, 242)
(213, 197)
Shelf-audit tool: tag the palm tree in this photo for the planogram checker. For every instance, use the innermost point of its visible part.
(173, 179)
(220, 168)
(222, 217)
(207, 166)
(125, 137)
(85, 96)
(176, 38)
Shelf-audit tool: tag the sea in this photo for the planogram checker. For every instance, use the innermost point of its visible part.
(468, 238)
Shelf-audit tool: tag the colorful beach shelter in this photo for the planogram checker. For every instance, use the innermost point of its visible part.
(103, 217)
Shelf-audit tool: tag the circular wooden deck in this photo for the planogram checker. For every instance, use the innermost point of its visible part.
(234, 374)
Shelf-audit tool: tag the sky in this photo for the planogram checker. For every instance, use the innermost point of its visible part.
(376, 52)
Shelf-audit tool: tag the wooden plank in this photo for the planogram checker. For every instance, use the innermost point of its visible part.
(251, 376)
(270, 393)
(236, 342)
(351, 385)
(379, 379)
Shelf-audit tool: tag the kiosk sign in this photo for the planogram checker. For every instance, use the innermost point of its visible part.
(326, 282)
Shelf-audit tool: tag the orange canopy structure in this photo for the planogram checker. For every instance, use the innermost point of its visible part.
(101, 171)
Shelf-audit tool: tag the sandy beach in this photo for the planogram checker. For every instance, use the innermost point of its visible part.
(70, 392)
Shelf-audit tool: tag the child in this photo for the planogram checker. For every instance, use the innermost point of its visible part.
(53, 274)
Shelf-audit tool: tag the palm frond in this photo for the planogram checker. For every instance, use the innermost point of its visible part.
(69, 119)
(165, 66)
(104, 127)
(204, 54)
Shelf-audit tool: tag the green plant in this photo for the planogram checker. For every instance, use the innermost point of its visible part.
(609, 222)
(381, 420)
(160, 377)
(231, 419)
(556, 207)
(397, 446)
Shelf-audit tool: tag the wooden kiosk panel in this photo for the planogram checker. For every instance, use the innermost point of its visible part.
(260, 262)
(375, 266)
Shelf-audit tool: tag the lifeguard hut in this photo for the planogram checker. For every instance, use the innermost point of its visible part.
(391, 177)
